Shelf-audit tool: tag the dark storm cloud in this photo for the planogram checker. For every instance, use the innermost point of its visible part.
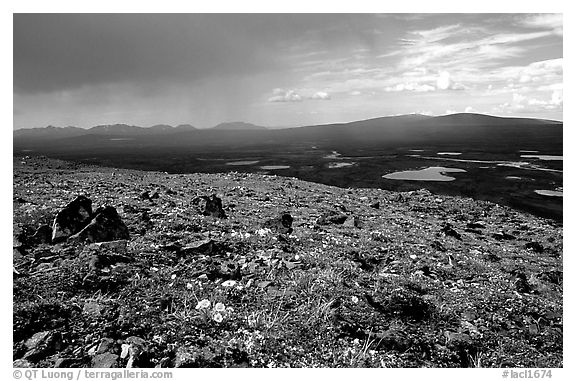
(63, 51)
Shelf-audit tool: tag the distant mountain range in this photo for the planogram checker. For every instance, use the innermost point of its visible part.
(237, 126)
(125, 130)
(393, 130)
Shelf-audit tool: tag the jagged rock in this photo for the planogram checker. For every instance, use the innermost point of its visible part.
(106, 345)
(332, 217)
(42, 344)
(353, 221)
(100, 261)
(457, 339)
(20, 363)
(18, 253)
(203, 247)
(552, 276)
(105, 360)
(137, 350)
(491, 257)
(71, 219)
(18, 236)
(503, 236)
(281, 224)
(393, 339)
(450, 232)
(475, 225)
(154, 196)
(535, 246)
(105, 226)
(42, 235)
(212, 206)
(375, 205)
(145, 196)
(66, 362)
(367, 262)
(436, 245)
(118, 247)
(521, 283)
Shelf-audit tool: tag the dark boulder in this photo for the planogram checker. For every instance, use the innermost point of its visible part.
(42, 235)
(535, 246)
(281, 224)
(332, 218)
(203, 247)
(212, 206)
(71, 219)
(105, 226)
(521, 283)
(449, 231)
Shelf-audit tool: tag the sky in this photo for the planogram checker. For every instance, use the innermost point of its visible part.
(281, 70)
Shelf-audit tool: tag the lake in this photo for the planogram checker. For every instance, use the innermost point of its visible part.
(426, 174)
(243, 162)
(551, 193)
(543, 157)
(272, 167)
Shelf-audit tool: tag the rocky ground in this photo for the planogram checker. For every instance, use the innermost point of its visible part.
(282, 273)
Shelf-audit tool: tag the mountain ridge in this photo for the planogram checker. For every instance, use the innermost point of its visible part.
(120, 128)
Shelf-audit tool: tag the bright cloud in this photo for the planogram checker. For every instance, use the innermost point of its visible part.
(280, 95)
(321, 95)
(551, 21)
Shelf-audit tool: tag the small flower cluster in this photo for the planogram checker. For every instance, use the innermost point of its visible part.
(217, 313)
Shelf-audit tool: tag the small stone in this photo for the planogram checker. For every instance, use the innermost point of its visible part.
(20, 363)
(281, 224)
(105, 345)
(332, 217)
(93, 309)
(353, 221)
(105, 360)
(203, 247)
(118, 246)
(42, 344)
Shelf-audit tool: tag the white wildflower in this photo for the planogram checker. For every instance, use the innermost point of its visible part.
(220, 307)
(217, 317)
(229, 283)
(205, 303)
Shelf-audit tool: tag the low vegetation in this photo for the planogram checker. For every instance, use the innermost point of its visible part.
(407, 279)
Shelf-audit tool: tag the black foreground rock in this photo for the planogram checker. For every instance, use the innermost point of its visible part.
(416, 282)
(106, 225)
(72, 218)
